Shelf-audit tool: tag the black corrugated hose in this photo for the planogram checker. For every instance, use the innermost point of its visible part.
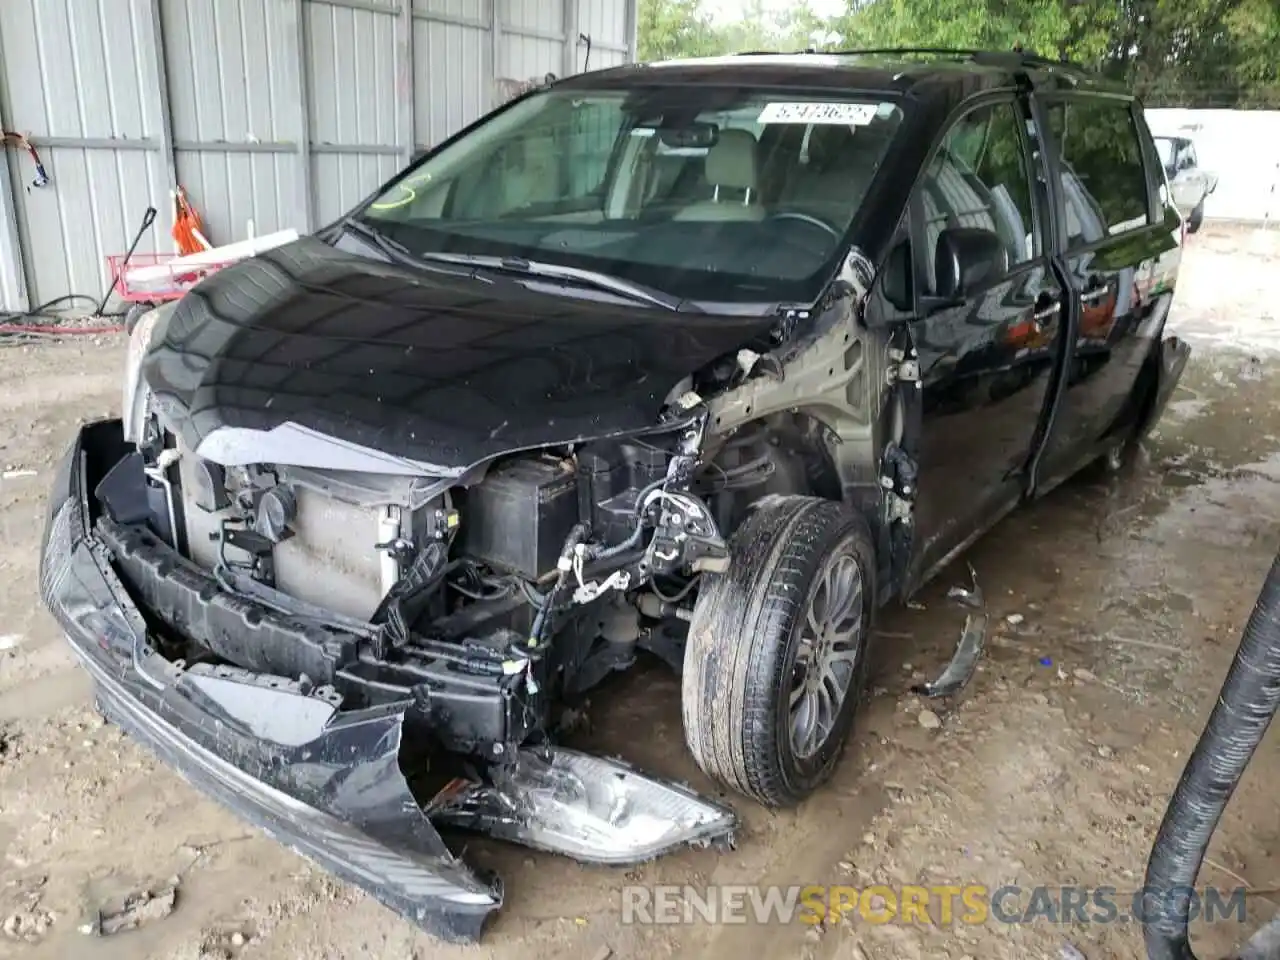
(1245, 706)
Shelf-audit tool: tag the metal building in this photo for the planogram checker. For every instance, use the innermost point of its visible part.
(279, 112)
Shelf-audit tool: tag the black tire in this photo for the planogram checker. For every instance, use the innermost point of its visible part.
(1196, 220)
(741, 656)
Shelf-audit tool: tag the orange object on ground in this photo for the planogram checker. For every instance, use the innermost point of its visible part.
(187, 228)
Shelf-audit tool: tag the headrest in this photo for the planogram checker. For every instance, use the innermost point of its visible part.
(829, 145)
(732, 161)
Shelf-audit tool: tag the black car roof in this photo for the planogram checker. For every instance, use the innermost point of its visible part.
(950, 75)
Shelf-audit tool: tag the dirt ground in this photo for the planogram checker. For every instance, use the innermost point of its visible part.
(1119, 604)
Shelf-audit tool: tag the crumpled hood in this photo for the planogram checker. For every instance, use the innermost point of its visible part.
(436, 369)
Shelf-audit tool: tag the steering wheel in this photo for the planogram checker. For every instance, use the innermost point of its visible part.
(805, 218)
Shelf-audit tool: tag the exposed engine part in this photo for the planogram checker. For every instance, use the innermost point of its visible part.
(686, 535)
(333, 548)
(517, 519)
(598, 641)
(618, 621)
(158, 473)
(408, 594)
(391, 546)
(277, 508)
(679, 595)
(542, 621)
(611, 478)
(459, 597)
(658, 607)
(591, 589)
(210, 491)
(261, 562)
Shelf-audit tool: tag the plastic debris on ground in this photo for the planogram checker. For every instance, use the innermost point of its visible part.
(960, 669)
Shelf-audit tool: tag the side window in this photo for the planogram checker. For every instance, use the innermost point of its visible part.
(979, 178)
(1103, 181)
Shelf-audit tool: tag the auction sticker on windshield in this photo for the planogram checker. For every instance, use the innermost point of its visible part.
(855, 114)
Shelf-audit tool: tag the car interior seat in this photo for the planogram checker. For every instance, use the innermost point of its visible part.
(732, 170)
(829, 175)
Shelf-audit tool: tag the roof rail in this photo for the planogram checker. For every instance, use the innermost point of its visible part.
(1004, 58)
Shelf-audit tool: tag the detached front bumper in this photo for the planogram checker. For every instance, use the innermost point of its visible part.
(326, 784)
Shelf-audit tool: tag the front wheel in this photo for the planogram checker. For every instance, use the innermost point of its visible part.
(776, 659)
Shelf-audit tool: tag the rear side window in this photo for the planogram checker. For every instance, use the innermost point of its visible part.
(1103, 181)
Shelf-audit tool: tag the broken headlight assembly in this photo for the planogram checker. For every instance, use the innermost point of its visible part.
(591, 808)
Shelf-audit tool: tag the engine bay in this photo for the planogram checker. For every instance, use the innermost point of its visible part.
(486, 598)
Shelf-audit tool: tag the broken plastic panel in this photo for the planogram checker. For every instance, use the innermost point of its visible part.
(970, 596)
(959, 670)
(589, 808)
(336, 796)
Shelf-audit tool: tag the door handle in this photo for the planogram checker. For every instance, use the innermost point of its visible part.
(1047, 311)
(1097, 293)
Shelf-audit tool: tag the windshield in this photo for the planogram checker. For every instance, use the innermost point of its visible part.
(1164, 147)
(707, 193)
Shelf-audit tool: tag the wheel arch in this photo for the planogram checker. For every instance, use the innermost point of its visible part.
(808, 457)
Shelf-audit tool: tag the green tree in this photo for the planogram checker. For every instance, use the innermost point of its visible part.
(1255, 27)
(1173, 52)
(667, 29)
(1186, 52)
(1061, 28)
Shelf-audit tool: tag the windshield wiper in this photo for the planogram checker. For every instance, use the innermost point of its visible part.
(393, 248)
(522, 267)
(553, 271)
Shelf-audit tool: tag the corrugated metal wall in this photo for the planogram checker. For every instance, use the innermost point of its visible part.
(280, 112)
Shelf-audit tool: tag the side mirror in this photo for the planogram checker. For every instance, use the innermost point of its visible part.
(895, 277)
(965, 259)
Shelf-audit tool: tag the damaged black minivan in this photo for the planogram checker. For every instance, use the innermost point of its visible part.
(705, 359)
